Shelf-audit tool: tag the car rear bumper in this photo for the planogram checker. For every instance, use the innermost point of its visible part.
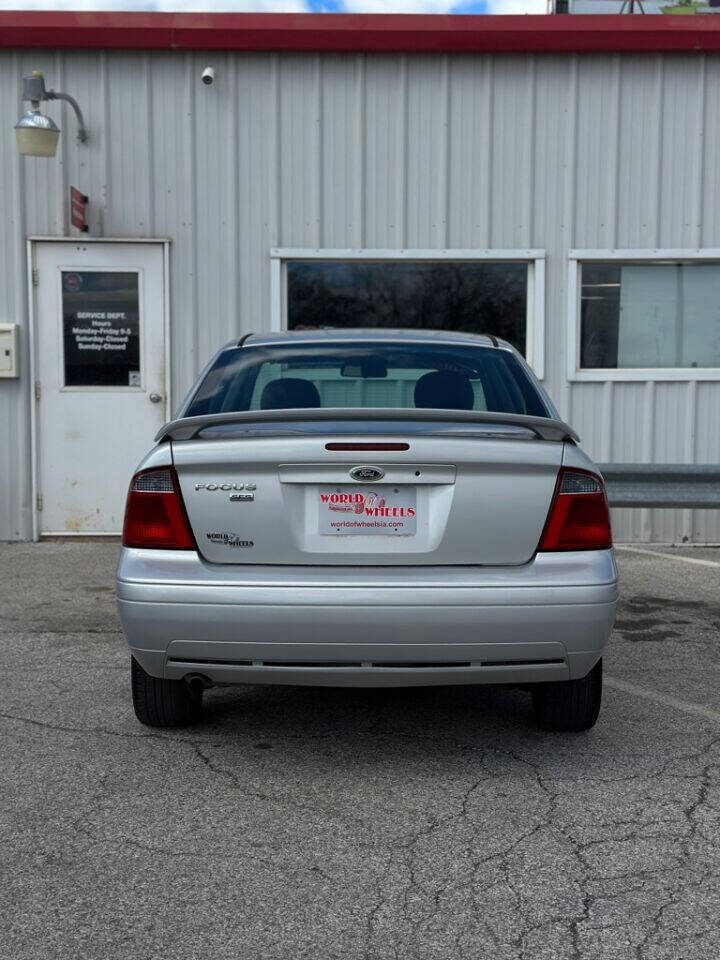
(352, 626)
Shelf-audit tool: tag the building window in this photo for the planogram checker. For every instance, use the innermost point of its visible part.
(658, 316)
(453, 291)
(469, 297)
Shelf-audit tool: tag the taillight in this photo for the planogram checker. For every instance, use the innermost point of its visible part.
(155, 514)
(579, 518)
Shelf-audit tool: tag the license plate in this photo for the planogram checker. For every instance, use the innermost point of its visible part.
(368, 511)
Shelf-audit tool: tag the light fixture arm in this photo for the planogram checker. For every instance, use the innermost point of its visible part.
(56, 95)
(34, 90)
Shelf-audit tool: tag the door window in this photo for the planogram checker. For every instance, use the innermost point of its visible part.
(101, 328)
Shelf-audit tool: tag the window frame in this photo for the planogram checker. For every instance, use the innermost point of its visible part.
(670, 256)
(535, 299)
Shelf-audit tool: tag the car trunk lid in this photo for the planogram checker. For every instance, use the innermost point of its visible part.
(340, 495)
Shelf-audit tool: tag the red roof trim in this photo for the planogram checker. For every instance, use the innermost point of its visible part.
(360, 32)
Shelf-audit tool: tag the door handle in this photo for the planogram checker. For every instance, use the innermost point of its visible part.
(154, 398)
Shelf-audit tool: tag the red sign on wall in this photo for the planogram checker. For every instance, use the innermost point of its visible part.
(78, 203)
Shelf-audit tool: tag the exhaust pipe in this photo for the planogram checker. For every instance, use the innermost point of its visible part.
(197, 683)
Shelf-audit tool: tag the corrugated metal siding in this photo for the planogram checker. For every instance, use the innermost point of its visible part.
(15, 487)
(376, 151)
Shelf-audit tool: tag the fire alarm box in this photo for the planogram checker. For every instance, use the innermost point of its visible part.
(8, 350)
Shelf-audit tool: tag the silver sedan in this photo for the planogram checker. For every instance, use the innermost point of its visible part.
(367, 508)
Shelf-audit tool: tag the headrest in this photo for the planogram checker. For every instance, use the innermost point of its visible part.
(289, 393)
(444, 391)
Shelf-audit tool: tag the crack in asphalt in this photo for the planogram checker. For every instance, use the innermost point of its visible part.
(405, 847)
(579, 848)
(239, 786)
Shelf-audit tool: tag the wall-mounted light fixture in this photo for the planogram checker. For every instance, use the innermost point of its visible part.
(36, 134)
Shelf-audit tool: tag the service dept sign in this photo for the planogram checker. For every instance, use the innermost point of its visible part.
(101, 328)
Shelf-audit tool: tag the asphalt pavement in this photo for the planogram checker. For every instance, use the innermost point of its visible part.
(305, 823)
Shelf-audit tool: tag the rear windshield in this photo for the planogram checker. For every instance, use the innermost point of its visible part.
(398, 376)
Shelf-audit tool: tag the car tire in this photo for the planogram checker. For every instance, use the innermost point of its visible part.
(164, 703)
(569, 706)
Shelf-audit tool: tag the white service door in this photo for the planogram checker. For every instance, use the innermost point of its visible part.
(100, 370)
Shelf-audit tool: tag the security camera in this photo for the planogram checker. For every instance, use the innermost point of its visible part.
(208, 76)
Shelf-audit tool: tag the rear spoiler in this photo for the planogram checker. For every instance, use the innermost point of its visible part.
(544, 427)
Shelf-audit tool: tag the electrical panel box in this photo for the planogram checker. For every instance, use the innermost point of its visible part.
(8, 350)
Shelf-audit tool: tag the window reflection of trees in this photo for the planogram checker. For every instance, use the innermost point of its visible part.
(467, 297)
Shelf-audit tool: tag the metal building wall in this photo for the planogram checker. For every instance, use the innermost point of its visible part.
(377, 151)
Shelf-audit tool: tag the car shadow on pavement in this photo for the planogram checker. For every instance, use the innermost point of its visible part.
(432, 713)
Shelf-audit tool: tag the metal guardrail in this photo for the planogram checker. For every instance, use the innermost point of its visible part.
(678, 485)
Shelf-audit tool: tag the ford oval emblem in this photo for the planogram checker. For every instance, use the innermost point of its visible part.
(367, 474)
